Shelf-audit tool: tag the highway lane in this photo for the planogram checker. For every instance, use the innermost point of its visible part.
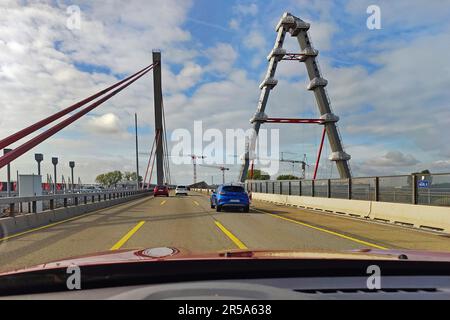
(189, 223)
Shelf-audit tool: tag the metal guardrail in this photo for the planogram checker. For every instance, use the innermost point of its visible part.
(419, 189)
(20, 205)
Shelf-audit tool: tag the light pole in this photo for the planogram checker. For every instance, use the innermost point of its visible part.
(54, 162)
(137, 150)
(8, 174)
(39, 157)
(71, 165)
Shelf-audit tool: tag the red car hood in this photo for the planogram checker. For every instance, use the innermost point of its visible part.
(172, 254)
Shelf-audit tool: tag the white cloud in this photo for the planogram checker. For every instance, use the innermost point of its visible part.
(250, 9)
(234, 24)
(222, 58)
(255, 40)
(106, 124)
(393, 159)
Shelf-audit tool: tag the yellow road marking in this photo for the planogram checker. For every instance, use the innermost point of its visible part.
(232, 237)
(196, 203)
(164, 202)
(51, 225)
(127, 237)
(329, 232)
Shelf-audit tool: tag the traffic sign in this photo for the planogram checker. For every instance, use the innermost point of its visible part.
(423, 184)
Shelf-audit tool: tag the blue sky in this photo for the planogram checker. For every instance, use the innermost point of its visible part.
(389, 86)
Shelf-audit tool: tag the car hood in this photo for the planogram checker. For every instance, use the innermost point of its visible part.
(173, 254)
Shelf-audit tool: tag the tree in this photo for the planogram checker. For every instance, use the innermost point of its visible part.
(114, 178)
(287, 177)
(109, 179)
(258, 175)
(101, 179)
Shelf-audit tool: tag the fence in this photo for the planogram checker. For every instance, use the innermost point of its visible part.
(21, 205)
(423, 189)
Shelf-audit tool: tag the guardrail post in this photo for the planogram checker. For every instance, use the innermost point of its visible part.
(313, 189)
(52, 204)
(415, 193)
(93, 199)
(76, 201)
(329, 188)
(273, 187)
(85, 199)
(12, 210)
(65, 202)
(377, 189)
(34, 207)
(281, 187)
(300, 188)
(350, 189)
(267, 186)
(290, 188)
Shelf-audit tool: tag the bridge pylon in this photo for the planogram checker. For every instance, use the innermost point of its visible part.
(308, 55)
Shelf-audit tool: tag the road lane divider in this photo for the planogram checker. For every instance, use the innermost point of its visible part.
(340, 235)
(231, 236)
(127, 237)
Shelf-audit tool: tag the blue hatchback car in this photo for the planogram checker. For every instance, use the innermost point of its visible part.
(230, 196)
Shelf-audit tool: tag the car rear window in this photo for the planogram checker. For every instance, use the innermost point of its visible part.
(233, 189)
(181, 187)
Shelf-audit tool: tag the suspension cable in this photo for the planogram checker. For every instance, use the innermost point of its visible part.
(40, 124)
(27, 146)
(149, 161)
(154, 158)
(165, 145)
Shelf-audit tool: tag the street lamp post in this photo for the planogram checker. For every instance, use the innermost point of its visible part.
(54, 162)
(72, 165)
(39, 157)
(8, 174)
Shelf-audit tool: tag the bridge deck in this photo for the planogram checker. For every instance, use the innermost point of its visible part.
(190, 224)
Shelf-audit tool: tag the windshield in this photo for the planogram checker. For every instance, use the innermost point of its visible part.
(121, 132)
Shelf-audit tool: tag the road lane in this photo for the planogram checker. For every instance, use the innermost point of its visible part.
(96, 232)
(185, 222)
(188, 223)
(386, 235)
(262, 231)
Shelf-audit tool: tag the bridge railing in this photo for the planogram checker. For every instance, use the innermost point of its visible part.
(14, 206)
(419, 189)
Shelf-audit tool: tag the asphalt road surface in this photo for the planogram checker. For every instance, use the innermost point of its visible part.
(188, 223)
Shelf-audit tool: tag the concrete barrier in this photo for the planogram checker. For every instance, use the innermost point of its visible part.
(417, 216)
(21, 223)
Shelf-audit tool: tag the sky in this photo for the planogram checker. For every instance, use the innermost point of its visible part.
(388, 86)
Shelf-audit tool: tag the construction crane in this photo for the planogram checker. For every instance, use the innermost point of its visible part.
(221, 168)
(192, 156)
(298, 29)
(303, 163)
(194, 163)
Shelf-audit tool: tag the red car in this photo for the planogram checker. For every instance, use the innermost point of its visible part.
(161, 191)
